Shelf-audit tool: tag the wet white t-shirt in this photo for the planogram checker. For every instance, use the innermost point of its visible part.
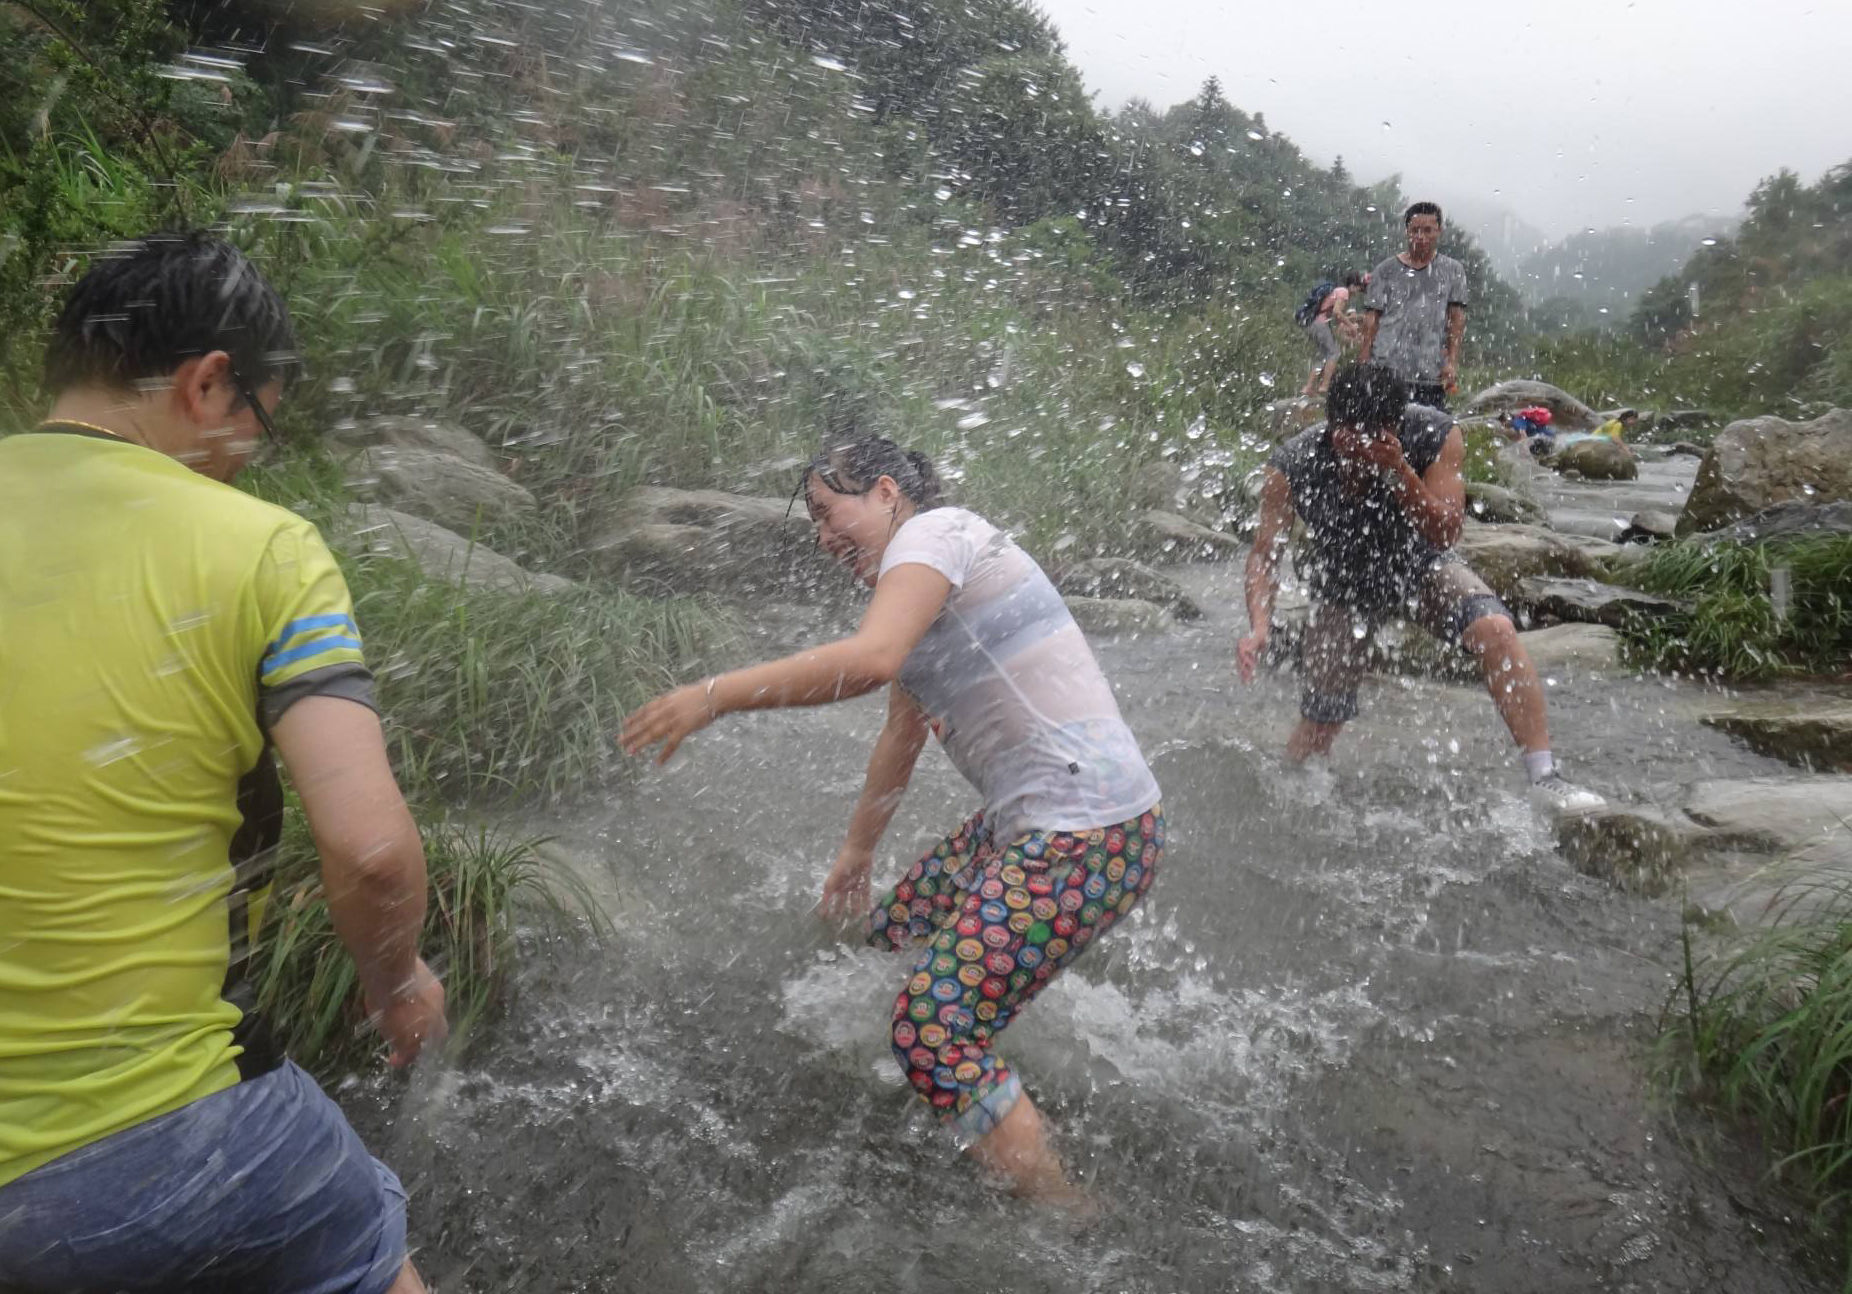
(1012, 688)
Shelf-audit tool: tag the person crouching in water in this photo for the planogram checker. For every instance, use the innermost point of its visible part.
(977, 647)
(1380, 489)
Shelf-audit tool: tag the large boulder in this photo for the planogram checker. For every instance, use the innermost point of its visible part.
(1505, 555)
(1795, 519)
(1807, 820)
(453, 492)
(1590, 602)
(689, 540)
(443, 555)
(357, 435)
(1760, 462)
(1597, 459)
(1806, 730)
(432, 469)
(1567, 412)
(1178, 538)
(1119, 577)
(1495, 504)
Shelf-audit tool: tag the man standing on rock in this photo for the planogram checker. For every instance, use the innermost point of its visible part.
(1415, 312)
(160, 634)
(1380, 490)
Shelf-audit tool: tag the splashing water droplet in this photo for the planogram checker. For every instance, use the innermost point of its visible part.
(1135, 369)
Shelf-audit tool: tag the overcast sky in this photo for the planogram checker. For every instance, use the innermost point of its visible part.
(1570, 112)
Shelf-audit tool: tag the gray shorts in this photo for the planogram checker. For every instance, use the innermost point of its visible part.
(1323, 342)
(1336, 648)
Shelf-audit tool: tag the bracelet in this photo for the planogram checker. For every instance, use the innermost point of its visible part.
(708, 692)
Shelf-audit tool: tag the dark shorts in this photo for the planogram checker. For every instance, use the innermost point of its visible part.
(1447, 599)
(262, 1186)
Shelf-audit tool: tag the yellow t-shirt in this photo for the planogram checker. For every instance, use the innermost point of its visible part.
(145, 613)
(1613, 430)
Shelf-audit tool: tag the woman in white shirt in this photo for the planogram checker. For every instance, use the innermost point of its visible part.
(982, 652)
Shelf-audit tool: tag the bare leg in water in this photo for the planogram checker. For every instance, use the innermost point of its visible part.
(1017, 1150)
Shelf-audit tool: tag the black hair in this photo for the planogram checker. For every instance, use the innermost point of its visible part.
(1370, 396)
(1423, 209)
(1353, 278)
(854, 466)
(148, 306)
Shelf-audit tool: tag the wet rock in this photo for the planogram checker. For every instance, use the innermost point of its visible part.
(1747, 821)
(1623, 564)
(1597, 459)
(1495, 504)
(1157, 484)
(1660, 423)
(1119, 577)
(1804, 730)
(443, 555)
(1586, 601)
(1567, 412)
(1504, 555)
(1795, 519)
(1582, 649)
(1106, 617)
(691, 540)
(438, 486)
(1650, 526)
(1181, 539)
(1685, 449)
(1760, 462)
(428, 434)
(1773, 814)
(1637, 847)
(1287, 418)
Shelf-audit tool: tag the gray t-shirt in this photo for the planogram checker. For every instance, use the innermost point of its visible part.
(1412, 335)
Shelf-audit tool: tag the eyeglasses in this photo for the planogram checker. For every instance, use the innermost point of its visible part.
(250, 398)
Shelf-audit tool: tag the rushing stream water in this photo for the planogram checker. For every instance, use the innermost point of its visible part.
(1368, 1032)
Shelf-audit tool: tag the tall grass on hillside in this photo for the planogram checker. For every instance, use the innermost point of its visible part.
(1732, 630)
(511, 695)
(1763, 1028)
(481, 885)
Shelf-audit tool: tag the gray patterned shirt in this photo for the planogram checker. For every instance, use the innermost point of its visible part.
(1411, 337)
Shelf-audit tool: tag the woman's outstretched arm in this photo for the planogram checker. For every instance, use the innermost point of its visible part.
(907, 600)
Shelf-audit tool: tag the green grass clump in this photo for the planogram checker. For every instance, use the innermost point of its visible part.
(513, 695)
(1732, 630)
(480, 881)
(1763, 1028)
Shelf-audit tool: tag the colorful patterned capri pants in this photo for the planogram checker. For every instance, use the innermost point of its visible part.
(1000, 921)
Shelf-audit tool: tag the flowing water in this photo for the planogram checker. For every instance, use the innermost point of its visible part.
(1368, 1032)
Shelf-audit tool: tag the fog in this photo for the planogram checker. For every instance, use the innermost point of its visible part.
(1570, 114)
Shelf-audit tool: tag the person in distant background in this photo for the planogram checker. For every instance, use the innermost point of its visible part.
(1533, 425)
(1333, 313)
(1617, 427)
(1415, 312)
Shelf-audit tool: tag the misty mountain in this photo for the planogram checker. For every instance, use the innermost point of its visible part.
(1596, 277)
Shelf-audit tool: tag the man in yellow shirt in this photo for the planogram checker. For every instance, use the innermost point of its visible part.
(160, 634)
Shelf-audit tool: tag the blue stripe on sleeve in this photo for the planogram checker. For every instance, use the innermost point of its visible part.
(335, 620)
(277, 660)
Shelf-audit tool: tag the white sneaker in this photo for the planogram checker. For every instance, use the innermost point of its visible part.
(1565, 798)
